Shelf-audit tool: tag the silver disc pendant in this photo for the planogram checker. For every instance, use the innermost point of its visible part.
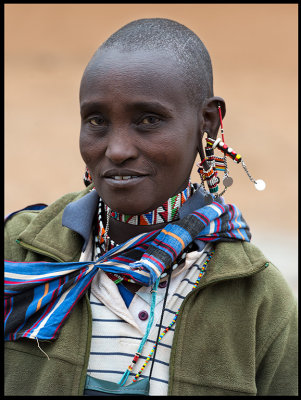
(227, 181)
(260, 184)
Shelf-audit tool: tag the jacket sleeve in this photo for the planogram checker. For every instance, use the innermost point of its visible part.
(277, 369)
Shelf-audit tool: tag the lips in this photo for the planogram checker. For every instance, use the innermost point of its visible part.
(124, 177)
(123, 174)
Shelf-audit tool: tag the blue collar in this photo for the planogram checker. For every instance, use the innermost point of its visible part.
(78, 215)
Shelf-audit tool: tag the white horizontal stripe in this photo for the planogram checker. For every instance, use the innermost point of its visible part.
(39, 276)
(153, 267)
(126, 267)
(217, 209)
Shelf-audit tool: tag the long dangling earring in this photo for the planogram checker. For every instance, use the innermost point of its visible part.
(220, 164)
(227, 180)
(228, 151)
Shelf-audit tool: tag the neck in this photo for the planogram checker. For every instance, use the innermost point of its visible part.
(121, 232)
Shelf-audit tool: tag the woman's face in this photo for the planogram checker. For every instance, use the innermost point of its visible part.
(139, 133)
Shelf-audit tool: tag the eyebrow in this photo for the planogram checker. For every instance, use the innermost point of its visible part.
(94, 105)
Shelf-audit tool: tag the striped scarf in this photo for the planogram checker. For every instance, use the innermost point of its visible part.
(39, 296)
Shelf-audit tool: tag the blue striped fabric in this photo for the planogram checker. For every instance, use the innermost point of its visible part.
(40, 295)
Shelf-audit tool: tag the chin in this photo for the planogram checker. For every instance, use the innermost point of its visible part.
(123, 204)
(129, 202)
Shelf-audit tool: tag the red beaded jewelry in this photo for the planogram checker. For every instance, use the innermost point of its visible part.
(221, 121)
(220, 164)
(228, 151)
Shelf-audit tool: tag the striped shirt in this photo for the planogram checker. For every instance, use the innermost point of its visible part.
(117, 330)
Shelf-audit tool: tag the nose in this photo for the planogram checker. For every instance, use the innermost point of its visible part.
(121, 147)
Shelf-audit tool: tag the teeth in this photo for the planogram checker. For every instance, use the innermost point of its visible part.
(120, 178)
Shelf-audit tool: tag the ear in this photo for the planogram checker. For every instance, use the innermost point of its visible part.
(210, 119)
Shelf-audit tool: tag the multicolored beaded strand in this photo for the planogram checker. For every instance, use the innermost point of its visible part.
(148, 358)
(215, 163)
(144, 339)
(228, 151)
(167, 212)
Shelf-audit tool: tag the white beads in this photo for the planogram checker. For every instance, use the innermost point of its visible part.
(216, 143)
(260, 184)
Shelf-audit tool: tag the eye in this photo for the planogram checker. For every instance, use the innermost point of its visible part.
(96, 121)
(150, 119)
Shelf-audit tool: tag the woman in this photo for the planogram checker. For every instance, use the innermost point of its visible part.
(145, 283)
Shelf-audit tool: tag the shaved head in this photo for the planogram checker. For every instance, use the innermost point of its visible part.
(180, 44)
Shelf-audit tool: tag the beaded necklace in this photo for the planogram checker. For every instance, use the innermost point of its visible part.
(168, 212)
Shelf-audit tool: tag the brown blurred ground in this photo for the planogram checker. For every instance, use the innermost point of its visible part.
(254, 54)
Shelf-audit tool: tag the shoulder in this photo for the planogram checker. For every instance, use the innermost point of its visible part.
(245, 260)
(37, 215)
(251, 287)
(241, 274)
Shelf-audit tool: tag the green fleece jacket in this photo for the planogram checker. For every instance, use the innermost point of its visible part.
(236, 334)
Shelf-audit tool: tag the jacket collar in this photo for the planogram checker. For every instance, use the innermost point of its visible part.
(46, 234)
(78, 215)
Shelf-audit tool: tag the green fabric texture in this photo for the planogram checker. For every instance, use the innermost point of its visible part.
(236, 334)
(246, 331)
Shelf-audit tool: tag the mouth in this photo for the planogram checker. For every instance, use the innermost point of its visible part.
(123, 178)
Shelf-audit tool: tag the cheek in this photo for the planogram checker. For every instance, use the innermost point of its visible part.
(179, 151)
(88, 149)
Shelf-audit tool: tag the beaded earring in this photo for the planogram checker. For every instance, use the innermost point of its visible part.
(87, 177)
(220, 164)
(228, 151)
(209, 175)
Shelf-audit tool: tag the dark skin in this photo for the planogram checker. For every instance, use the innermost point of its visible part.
(137, 123)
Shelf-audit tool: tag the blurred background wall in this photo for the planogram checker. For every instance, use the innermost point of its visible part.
(254, 54)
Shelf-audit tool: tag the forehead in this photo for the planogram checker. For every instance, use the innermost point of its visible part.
(148, 74)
